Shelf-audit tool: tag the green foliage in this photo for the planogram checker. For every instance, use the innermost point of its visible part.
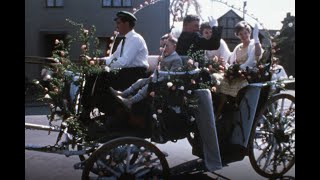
(197, 56)
(57, 76)
(284, 45)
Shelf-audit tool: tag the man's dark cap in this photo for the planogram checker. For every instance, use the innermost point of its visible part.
(126, 15)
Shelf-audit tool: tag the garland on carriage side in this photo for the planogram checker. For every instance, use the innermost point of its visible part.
(174, 94)
(54, 87)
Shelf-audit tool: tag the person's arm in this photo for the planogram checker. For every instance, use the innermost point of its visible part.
(106, 60)
(252, 58)
(257, 44)
(224, 50)
(176, 63)
(213, 43)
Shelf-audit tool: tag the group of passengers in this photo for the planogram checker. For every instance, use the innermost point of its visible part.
(132, 53)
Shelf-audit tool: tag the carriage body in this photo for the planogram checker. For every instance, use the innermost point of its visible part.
(116, 144)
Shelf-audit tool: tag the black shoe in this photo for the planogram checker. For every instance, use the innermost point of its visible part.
(115, 92)
(127, 103)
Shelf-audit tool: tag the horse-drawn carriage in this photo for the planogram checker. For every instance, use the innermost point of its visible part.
(115, 143)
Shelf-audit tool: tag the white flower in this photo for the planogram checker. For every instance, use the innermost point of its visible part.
(152, 94)
(85, 31)
(277, 33)
(141, 6)
(36, 82)
(177, 109)
(146, 2)
(217, 76)
(56, 41)
(266, 74)
(192, 119)
(181, 88)
(196, 64)
(107, 69)
(290, 24)
(47, 96)
(169, 84)
(154, 116)
(218, 82)
(282, 85)
(83, 47)
(56, 60)
(47, 77)
(291, 77)
(189, 91)
(112, 38)
(43, 72)
(159, 111)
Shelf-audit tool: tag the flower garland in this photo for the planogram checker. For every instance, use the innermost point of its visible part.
(54, 87)
(175, 94)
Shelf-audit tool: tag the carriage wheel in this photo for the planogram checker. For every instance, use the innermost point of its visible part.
(272, 140)
(126, 158)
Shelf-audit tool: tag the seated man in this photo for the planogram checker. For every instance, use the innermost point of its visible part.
(169, 61)
(131, 55)
(191, 39)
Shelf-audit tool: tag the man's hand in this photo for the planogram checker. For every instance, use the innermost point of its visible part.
(212, 21)
(255, 34)
(222, 61)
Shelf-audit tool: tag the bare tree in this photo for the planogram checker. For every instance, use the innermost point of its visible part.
(180, 8)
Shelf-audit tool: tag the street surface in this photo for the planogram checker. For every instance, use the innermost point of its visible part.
(40, 165)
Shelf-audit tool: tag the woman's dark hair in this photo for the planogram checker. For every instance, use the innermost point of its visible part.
(241, 26)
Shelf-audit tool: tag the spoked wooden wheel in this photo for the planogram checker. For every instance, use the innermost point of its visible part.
(272, 140)
(126, 158)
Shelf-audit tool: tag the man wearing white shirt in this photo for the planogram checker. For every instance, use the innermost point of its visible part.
(134, 49)
(131, 54)
(131, 57)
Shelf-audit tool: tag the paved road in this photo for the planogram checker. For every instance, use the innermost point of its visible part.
(39, 165)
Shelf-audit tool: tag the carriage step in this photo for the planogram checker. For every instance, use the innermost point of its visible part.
(189, 166)
(165, 153)
(79, 165)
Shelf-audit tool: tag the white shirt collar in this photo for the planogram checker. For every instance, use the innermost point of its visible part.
(130, 34)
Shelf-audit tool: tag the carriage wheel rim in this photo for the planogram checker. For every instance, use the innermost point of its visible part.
(274, 139)
(118, 163)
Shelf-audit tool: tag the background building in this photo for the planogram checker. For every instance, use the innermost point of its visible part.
(45, 21)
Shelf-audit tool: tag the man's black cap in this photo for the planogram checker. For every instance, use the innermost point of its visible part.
(126, 15)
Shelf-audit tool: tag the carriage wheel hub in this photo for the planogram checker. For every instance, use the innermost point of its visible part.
(126, 176)
(280, 136)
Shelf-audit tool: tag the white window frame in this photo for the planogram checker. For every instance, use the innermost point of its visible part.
(54, 3)
(111, 3)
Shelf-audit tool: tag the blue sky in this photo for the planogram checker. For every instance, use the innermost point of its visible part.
(268, 12)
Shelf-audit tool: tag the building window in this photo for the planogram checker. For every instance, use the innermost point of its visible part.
(116, 3)
(55, 3)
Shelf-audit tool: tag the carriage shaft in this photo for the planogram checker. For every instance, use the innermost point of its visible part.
(54, 149)
(41, 127)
